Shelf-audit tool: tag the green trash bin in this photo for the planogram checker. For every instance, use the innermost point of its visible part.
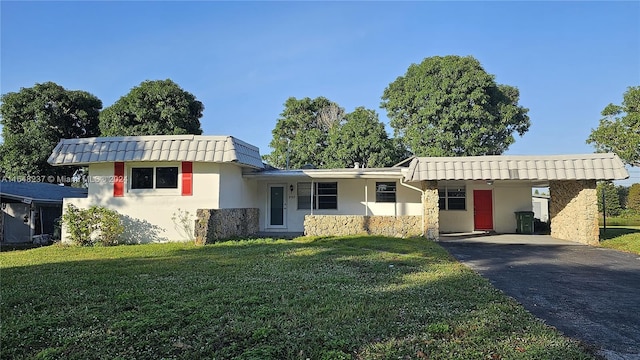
(524, 221)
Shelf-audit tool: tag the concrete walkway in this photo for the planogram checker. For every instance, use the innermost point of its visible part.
(588, 293)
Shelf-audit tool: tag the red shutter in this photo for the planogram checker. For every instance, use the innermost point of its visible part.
(118, 179)
(187, 178)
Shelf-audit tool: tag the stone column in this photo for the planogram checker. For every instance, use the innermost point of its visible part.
(431, 225)
(573, 210)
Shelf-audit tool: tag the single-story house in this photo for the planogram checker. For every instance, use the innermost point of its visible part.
(223, 183)
(29, 210)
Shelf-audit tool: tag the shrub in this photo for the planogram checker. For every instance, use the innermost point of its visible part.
(95, 225)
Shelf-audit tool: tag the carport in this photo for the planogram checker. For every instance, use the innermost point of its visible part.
(482, 193)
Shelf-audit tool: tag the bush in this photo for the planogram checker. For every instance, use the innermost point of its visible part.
(95, 225)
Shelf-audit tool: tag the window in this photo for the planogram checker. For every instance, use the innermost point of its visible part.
(154, 178)
(386, 192)
(452, 198)
(304, 195)
(325, 195)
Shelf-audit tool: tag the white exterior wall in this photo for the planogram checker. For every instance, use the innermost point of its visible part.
(507, 199)
(238, 192)
(148, 213)
(352, 200)
(540, 207)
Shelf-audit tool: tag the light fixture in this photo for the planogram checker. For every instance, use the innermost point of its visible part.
(489, 182)
(291, 188)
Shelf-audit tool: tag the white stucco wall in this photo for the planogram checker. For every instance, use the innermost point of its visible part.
(238, 191)
(352, 200)
(148, 214)
(508, 197)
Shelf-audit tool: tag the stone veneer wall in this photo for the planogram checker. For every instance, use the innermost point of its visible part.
(573, 210)
(431, 210)
(217, 224)
(340, 225)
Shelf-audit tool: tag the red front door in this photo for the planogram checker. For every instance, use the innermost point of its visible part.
(482, 209)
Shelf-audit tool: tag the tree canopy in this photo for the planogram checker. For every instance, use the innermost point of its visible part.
(35, 119)
(619, 130)
(633, 198)
(361, 138)
(611, 198)
(450, 106)
(158, 107)
(302, 131)
(319, 132)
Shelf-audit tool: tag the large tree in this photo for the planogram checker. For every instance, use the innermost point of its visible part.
(633, 198)
(619, 130)
(158, 107)
(301, 133)
(450, 106)
(611, 199)
(35, 119)
(361, 138)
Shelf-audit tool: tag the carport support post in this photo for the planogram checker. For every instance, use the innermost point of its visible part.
(431, 212)
(574, 211)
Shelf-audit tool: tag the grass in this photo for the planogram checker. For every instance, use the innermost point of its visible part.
(630, 220)
(331, 298)
(625, 238)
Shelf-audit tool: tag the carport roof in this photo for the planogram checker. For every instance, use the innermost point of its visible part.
(600, 166)
(195, 148)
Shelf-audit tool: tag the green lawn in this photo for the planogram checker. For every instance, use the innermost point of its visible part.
(333, 298)
(625, 238)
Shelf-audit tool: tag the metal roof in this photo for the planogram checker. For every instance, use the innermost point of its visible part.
(195, 148)
(29, 192)
(600, 166)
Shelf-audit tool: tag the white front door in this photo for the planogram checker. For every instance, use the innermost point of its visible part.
(277, 214)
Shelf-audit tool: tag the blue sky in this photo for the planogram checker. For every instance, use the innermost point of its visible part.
(244, 59)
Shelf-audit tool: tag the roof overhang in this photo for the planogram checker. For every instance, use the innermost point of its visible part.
(361, 173)
(27, 200)
(538, 170)
(192, 148)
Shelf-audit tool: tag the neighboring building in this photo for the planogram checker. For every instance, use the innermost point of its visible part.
(29, 210)
(148, 178)
(540, 205)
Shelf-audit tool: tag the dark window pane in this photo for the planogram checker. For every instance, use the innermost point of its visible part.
(455, 192)
(327, 188)
(326, 195)
(385, 192)
(441, 204)
(327, 202)
(166, 178)
(142, 178)
(456, 203)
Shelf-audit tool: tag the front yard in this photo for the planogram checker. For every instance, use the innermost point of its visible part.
(623, 238)
(333, 298)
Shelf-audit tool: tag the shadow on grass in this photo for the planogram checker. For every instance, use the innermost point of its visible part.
(613, 232)
(338, 298)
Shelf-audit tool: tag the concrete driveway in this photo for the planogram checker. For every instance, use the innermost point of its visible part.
(588, 293)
